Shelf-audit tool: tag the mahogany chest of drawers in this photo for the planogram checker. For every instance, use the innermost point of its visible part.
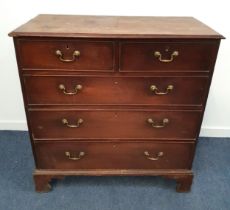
(110, 95)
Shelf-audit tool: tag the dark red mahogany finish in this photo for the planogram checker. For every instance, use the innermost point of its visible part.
(110, 95)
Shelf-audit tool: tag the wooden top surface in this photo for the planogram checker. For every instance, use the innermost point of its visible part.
(115, 27)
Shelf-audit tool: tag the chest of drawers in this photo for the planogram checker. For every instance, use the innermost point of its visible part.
(114, 95)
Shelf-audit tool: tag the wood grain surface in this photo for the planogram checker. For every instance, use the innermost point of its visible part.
(115, 26)
(114, 124)
(115, 90)
(114, 155)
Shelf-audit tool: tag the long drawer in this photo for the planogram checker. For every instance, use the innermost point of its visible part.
(125, 155)
(115, 90)
(68, 54)
(112, 124)
(167, 56)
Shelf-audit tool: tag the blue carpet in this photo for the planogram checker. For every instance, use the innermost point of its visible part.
(210, 190)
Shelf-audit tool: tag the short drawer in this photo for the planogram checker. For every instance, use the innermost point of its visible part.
(114, 124)
(115, 90)
(66, 55)
(127, 155)
(168, 56)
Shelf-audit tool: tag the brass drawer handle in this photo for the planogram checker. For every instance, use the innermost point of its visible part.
(72, 157)
(76, 54)
(158, 55)
(165, 121)
(159, 154)
(76, 89)
(77, 125)
(154, 89)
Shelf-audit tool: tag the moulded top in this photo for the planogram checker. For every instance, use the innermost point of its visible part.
(115, 27)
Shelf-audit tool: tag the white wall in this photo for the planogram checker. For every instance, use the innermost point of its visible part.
(214, 13)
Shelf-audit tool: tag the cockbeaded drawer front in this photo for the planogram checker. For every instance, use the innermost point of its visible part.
(114, 124)
(66, 54)
(168, 56)
(125, 155)
(115, 90)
